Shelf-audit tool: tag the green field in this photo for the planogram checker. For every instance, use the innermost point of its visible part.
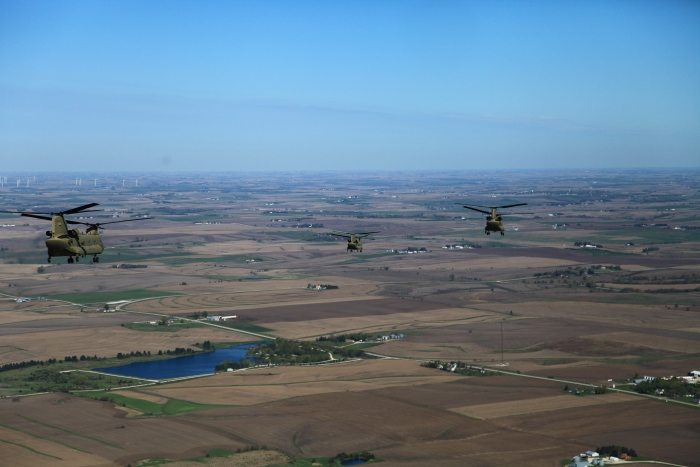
(240, 259)
(245, 327)
(102, 297)
(172, 407)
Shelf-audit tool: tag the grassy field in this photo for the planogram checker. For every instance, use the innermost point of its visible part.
(102, 297)
(239, 259)
(172, 407)
(250, 327)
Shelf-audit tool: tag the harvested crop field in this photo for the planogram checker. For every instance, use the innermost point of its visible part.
(654, 429)
(253, 299)
(491, 448)
(326, 424)
(613, 314)
(98, 429)
(78, 321)
(599, 373)
(544, 338)
(311, 309)
(7, 317)
(350, 371)
(256, 394)
(542, 404)
(654, 341)
(474, 391)
(20, 449)
(107, 342)
(374, 323)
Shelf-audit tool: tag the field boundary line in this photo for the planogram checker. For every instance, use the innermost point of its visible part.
(68, 431)
(29, 449)
(108, 374)
(42, 438)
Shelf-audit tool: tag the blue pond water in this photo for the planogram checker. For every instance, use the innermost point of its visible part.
(191, 365)
(353, 462)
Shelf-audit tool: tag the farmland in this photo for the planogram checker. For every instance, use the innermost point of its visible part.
(531, 313)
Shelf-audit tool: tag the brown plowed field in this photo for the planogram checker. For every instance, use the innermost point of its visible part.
(488, 449)
(252, 300)
(326, 424)
(250, 395)
(351, 371)
(95, 427)
(307, 310)
(654, 341)
(653, 428)
(19, 449)
(474, 391)
(601, 373)
(379, 322)
(614, 316)
(542, 404)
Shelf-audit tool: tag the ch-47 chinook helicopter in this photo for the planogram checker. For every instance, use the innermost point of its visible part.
(494, 221)
(73, 243)
(354, 239)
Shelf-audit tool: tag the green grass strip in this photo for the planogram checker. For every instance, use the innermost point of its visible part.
(294, 442)
(68, 431)
(30, 449)
(172, 407)
(45, 439)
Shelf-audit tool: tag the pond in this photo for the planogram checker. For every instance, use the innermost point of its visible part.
(353, 462)
(191, 365)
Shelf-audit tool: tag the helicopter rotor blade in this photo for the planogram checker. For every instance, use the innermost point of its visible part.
(79, 209)
(475, 209)
(511, 205)
(125, 220)
(98, 225)
(31, 214)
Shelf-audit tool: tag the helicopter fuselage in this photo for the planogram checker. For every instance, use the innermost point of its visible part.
(75, 243)
(72, 243)
(494, 225)
(354, 244)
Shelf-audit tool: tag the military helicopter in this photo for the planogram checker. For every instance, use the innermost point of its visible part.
(354, 239)
(73, 243)
(494, 221)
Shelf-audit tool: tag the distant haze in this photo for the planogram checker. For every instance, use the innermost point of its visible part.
(223, 86)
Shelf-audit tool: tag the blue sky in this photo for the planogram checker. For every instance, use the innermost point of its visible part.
(361, 85)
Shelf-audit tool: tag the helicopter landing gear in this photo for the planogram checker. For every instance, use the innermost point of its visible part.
(70, 260)
(502, 234)
(488, 233)
(360, 250)
(49, 259)
(95, 259)
(77, 258)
